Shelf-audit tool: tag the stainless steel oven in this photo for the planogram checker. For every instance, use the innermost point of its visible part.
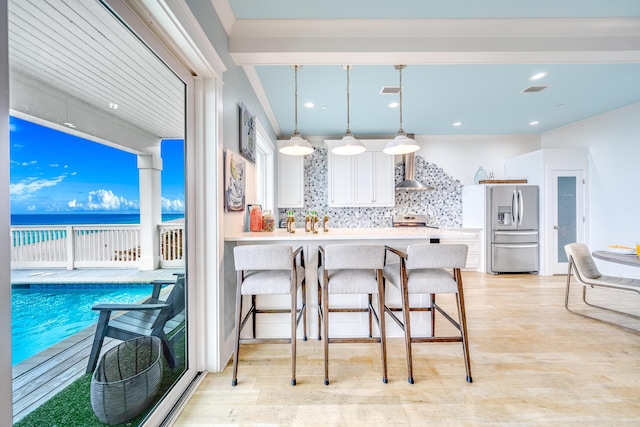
(414, 221)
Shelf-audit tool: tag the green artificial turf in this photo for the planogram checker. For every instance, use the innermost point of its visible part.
(72, 406)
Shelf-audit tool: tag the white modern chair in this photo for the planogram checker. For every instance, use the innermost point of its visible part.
(269, 270)
(587, 275)
(352, 269)
(429, 269)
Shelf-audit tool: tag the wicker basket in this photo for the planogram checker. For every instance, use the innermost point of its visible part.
(126, 380)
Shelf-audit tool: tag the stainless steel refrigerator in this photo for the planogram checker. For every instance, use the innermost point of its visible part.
(512, 229)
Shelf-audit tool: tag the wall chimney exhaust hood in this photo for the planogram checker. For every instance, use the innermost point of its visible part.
(409, 183)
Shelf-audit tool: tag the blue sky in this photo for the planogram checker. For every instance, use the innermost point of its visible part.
(54, 172)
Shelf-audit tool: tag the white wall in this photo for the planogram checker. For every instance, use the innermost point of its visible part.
(237, 89)
(613, 141)
(461, 155)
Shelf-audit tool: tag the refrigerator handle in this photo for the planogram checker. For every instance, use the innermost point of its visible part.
(521, 207)
(514, 208)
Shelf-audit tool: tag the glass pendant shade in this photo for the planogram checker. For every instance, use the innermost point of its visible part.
(401, 144)
(348, 145)
(296, 146)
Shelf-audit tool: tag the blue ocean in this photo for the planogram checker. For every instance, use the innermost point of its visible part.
(84, 218)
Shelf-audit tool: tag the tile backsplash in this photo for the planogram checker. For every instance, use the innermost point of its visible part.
(443, 205)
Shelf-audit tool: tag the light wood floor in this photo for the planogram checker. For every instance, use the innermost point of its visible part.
(533, 363)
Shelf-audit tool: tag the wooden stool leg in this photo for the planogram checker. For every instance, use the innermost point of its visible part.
(294, 328)
(325, 327)
(406, 312)
(463, 325)
(383, 332)
(234, 381)
(320, 306)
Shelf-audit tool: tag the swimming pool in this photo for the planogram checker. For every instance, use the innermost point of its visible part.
(44, 315)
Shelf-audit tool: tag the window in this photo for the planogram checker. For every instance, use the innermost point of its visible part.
(264, 170)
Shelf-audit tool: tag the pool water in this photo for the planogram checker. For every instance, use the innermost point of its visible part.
(46, 315)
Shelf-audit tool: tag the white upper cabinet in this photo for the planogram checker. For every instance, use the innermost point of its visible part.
(290, 180)
(366, 179)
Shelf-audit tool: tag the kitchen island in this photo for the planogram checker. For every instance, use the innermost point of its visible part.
(397, 237)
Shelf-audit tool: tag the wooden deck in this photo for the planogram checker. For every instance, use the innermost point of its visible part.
(40, 377)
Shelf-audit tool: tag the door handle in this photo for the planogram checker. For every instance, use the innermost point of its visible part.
(555, 227)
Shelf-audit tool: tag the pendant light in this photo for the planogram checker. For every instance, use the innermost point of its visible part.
(349, 145)
(296, 146)
(401, 144)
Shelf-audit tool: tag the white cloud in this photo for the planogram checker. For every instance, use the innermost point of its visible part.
(172, 205)
(104, 200)
(32, 162)
(24, 188)
(31, 208)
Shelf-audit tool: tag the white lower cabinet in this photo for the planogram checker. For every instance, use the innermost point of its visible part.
(366, 179)
(473, 239)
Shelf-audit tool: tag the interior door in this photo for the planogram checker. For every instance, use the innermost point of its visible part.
(569, 214)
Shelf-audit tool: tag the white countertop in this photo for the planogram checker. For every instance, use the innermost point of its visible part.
(390, 233)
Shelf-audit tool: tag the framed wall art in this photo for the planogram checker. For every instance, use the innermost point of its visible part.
(247, 134)
(234, 182)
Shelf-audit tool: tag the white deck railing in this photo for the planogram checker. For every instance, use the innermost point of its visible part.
(91, 246)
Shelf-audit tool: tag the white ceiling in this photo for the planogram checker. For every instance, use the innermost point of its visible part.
(70, 59)
(468, 61)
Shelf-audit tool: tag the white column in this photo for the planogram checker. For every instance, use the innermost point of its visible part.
(149, 168)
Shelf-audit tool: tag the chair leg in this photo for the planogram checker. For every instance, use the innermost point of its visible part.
(98, 339)
(319, 310)
(432, 305)
(370, 302)
(253, 316)
(325, 327)
(294, 328)
(406, 313)
(304, 309)
(383, 332)
(463, 325)
(234, 381)
(566, 294)
(167, 350)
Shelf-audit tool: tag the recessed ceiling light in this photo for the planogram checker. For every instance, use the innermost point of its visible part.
(324, 107)
(113, 105)
(561, 105)
(71, 125)
(533, 123)
(393, 104)
(457, 123)
(538, 76)
(309, 104)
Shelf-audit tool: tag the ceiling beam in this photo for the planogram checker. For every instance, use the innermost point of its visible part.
(432, 41)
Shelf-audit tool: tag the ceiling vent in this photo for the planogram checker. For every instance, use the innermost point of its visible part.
(534, 89)
(390, 90)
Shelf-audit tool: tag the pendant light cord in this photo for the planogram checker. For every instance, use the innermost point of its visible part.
(295, 68)
(401, 131)
(348, 119)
